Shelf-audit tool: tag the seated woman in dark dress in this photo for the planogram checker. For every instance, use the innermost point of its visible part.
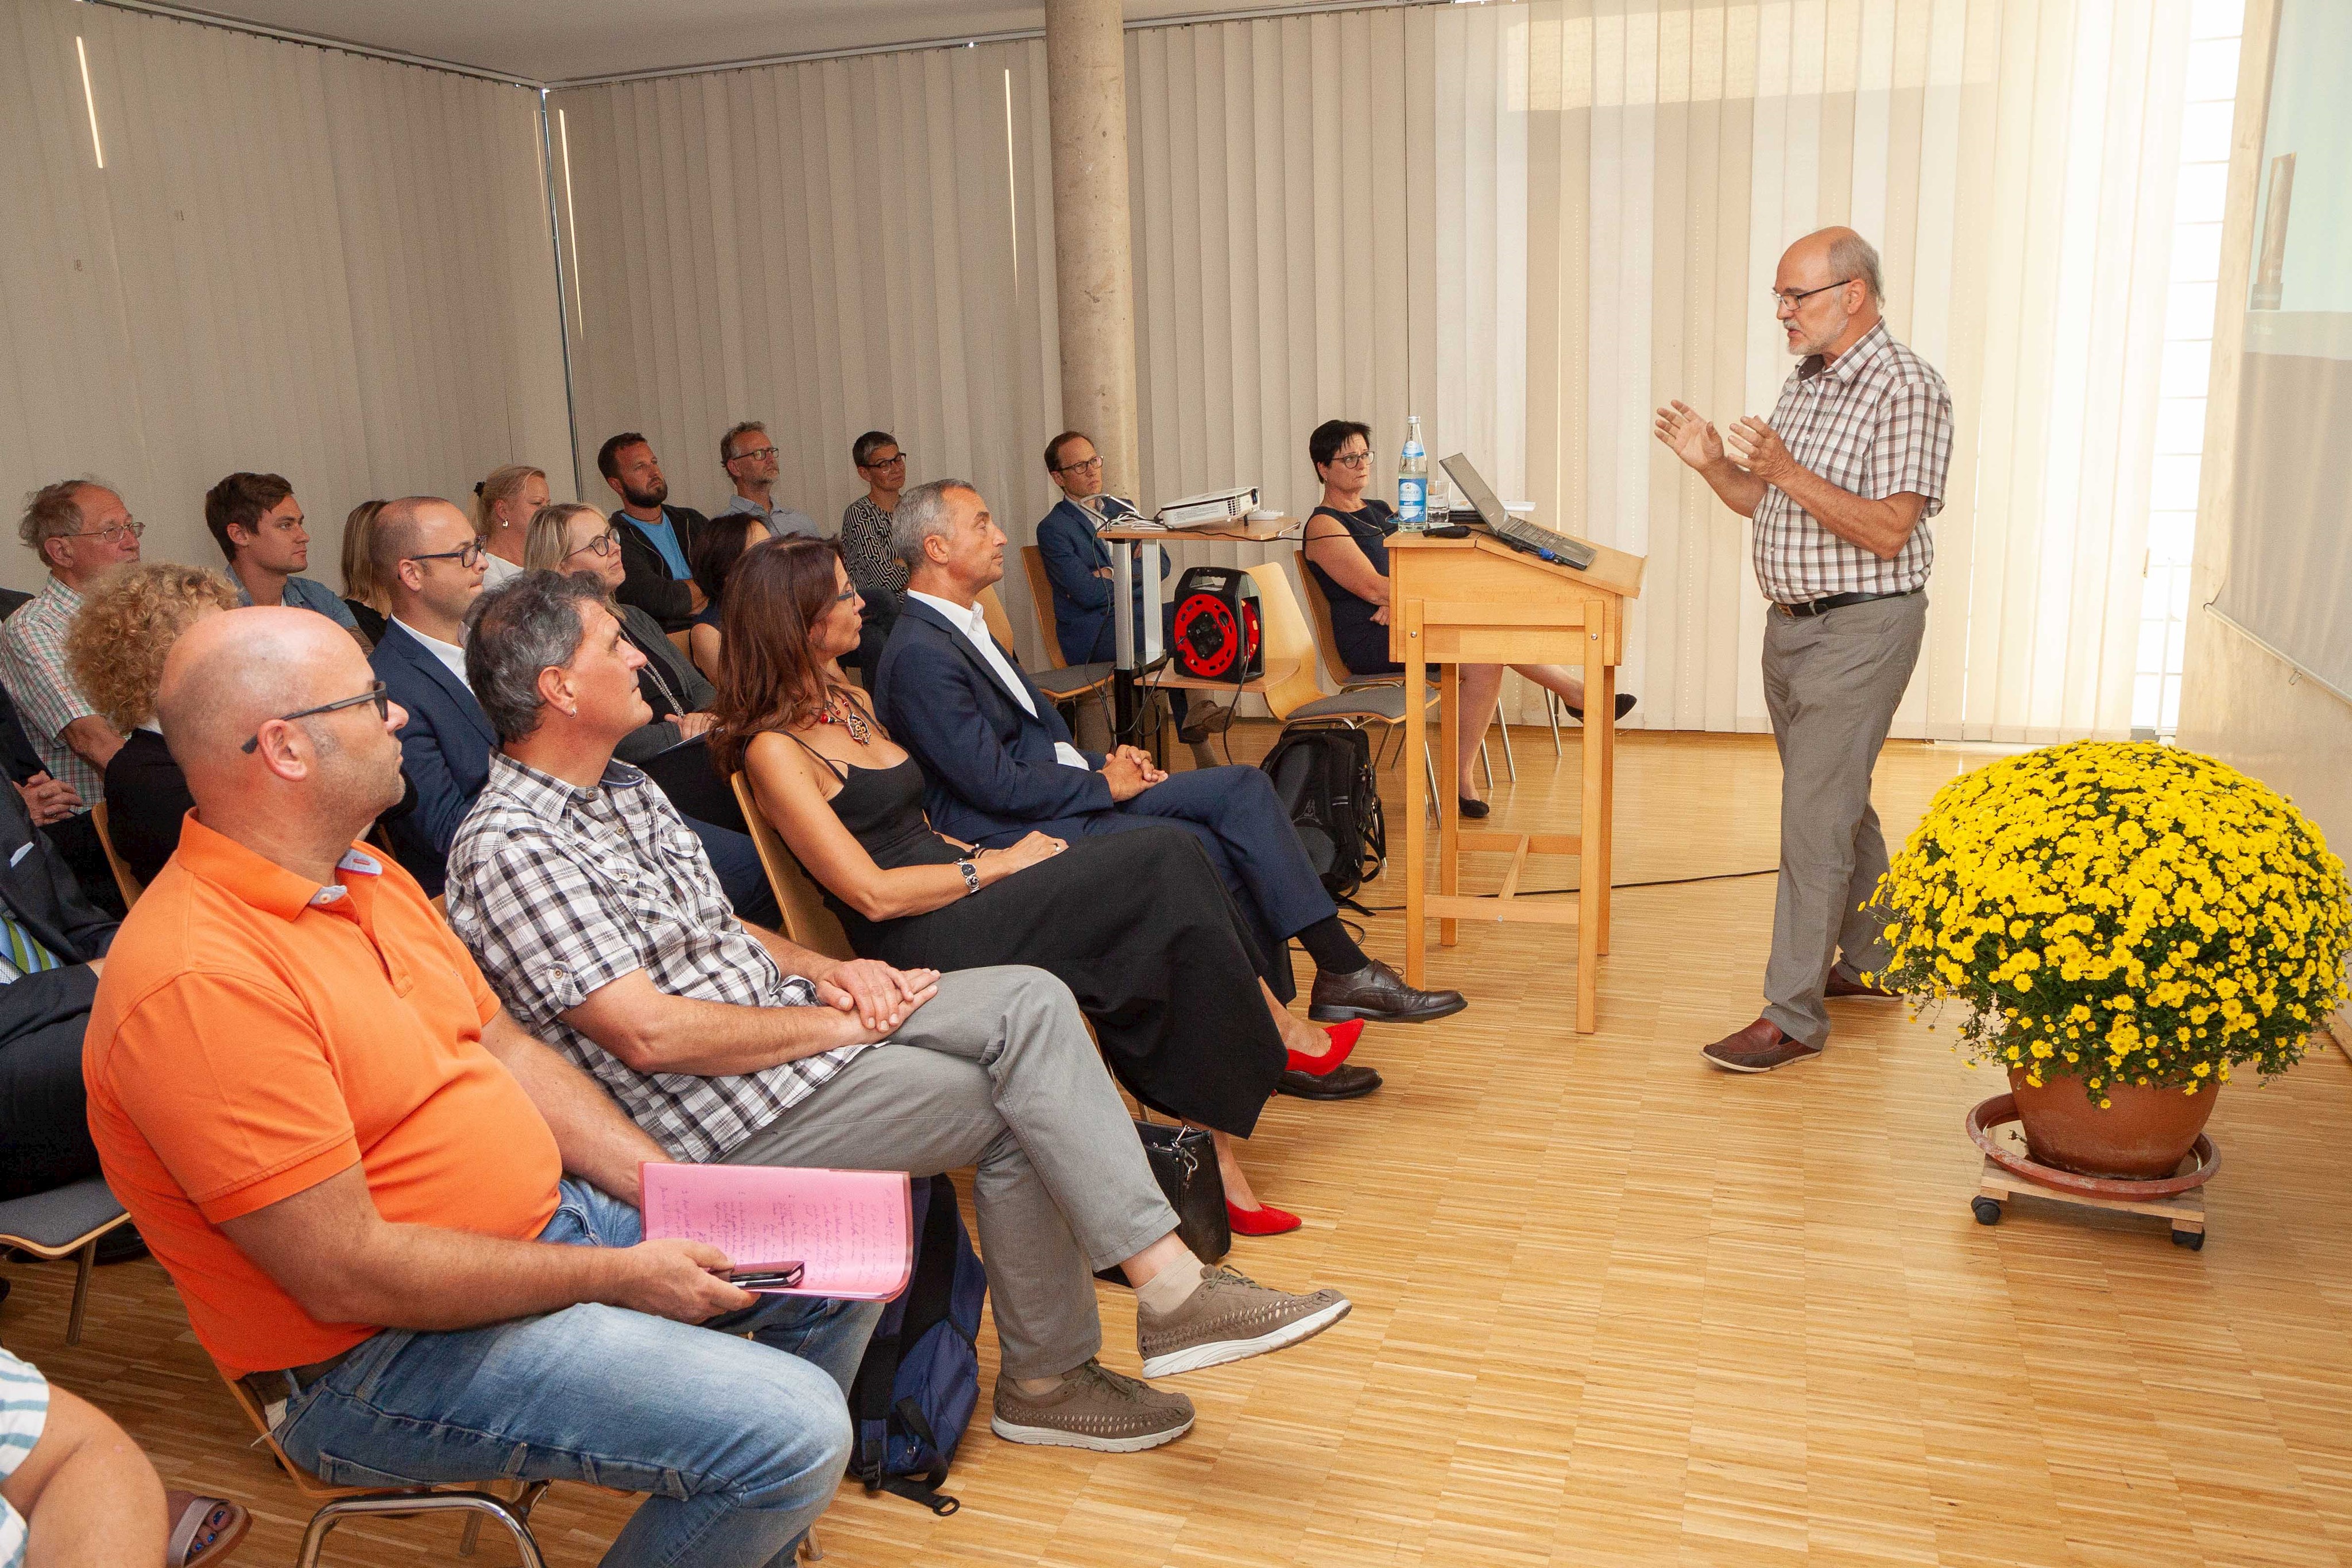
(1137, 924)
(362, 595)
(723, 543)
(115, 650)
(1347, 549)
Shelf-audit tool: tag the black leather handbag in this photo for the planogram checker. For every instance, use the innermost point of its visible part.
(1184, 1163)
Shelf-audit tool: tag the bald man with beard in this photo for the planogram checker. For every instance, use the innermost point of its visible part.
(353, 1164)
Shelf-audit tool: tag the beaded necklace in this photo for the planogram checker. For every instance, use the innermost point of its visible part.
(845, 713)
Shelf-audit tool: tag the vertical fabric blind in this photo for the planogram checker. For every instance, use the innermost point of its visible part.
(294, 260)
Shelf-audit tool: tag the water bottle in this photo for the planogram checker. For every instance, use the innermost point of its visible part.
(1412, 479)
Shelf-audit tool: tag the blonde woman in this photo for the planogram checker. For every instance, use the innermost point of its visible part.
(572, 537)
(504, 505)
(115, 650)
(363, 595)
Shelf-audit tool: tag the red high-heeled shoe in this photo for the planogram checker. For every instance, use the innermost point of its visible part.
(1266, 1221)
(1343, 1041)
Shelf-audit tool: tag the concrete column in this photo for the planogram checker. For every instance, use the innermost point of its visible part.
(1085, 92)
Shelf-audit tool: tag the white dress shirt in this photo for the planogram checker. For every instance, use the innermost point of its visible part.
(973, 624)
(450, 653)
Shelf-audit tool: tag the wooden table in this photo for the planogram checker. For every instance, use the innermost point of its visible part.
(1139, 647)
(1476, 600)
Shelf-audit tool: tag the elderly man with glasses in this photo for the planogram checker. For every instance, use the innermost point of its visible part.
(80, 529)
(753, 461)
(1841, 484)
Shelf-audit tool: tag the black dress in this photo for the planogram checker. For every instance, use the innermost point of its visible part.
(1138, 926)
(1363, 643)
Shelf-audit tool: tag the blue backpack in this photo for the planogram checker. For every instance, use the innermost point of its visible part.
(919, 1383)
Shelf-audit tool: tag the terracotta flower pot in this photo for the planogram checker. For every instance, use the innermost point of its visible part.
(2143, 1135)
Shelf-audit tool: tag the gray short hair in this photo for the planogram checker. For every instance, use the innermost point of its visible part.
(53, 511)
(513, 631)
(922, 514)
(1851, 256)
(726, 453)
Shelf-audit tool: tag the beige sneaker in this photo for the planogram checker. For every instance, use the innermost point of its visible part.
(1095, 1408)
(1230, 1318)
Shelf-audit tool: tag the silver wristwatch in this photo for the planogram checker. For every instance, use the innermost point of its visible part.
(970, 875)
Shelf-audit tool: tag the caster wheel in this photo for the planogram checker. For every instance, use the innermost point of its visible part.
(2192, 1239)
(1988, 1210)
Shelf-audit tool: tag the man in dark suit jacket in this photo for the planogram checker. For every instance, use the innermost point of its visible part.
(657, 540)
(52, 943)
(1078, 563)
(999, 763)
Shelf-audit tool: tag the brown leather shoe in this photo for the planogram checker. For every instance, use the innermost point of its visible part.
(1379, 993)
(1844, 983)
(1759, 1047)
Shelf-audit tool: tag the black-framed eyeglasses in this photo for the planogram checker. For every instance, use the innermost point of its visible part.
(845, 595)
(113, 533)
(374, 693)
(1352, 459)
(753, 451)
(604, 543)
(1796, 297)
(893, 462)
(467, 559)
(1092, 464)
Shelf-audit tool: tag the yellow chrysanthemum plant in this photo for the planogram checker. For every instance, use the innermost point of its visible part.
(2122, 914)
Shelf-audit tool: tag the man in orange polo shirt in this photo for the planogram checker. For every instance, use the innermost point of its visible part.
(352, 1162)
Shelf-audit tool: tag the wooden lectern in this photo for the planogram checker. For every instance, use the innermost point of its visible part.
(1476, 600)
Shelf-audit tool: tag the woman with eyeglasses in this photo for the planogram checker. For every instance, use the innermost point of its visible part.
(1137, 924)
(570, 537)
(504, 505)
(880, 576)
(1346, 551)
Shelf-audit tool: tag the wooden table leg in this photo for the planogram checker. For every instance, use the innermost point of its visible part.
(1592, 869)
(1449, 806)
(1416, 796)
(1604, 856)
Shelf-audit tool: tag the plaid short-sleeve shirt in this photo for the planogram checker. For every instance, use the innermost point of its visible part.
(1875, 422)
(33, 667)
(560, 890)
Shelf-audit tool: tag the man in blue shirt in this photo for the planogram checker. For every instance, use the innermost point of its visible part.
(657, 540)
(258, 523)
(753, 461)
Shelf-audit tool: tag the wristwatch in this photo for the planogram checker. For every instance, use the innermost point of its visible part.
(970, 875)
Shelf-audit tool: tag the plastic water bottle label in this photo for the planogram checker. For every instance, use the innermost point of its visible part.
(1412, 500)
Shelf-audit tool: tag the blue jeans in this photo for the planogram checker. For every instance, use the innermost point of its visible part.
(740, 1446)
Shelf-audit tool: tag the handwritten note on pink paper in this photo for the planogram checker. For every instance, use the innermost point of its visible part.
(850, 1229)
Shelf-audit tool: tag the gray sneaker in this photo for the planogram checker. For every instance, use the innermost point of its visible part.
(1230, 1318)
(1095, 1408)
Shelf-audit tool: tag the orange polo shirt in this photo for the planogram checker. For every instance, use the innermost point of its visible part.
(256, 1033)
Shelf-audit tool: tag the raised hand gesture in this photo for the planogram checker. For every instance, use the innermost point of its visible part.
(1689, 435)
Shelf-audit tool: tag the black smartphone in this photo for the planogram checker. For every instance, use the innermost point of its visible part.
(766, 1277)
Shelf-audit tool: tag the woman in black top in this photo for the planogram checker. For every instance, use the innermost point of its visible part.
(715, 554)
(1137, 924)
(1347, 549)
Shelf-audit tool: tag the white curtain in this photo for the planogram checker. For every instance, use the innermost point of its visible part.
(294, 260)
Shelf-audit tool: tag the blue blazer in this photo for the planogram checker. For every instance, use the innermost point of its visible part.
(1083, 622)
(987, 766)
(444, 749)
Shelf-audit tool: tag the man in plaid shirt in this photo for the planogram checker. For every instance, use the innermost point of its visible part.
(1841, 484)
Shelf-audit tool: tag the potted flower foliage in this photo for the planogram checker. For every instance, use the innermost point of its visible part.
(2128, 924)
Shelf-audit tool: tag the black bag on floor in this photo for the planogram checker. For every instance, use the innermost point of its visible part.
(1324, 775)
(919, 1384)
(1184, 1164)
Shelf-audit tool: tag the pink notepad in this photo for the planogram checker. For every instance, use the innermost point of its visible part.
(852, 1230)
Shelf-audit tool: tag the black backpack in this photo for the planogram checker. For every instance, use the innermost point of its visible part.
(1324, 775)
(919, 1383)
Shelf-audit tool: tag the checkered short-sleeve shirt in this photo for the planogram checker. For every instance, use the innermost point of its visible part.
(1875, 422)
(33, 667)
(560, 890)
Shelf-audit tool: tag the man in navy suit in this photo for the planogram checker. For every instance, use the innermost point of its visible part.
(1078, 563)
(999, 763)
(431, 566)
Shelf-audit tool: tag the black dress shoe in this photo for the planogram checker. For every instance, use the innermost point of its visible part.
(1377, 993)
(1474, 809)
(1345, 1082)
(1625, 701)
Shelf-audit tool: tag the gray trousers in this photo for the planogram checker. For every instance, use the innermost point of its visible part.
(1831, 683)
(998, 1072)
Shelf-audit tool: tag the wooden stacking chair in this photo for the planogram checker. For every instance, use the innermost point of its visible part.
(807, 921)
(65, 1222)
(1062, 683)
(1327, 641)
(130, 886)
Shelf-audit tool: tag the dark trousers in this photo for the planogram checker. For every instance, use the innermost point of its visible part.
(1239, 819)
(44, 1115)
(75, 839)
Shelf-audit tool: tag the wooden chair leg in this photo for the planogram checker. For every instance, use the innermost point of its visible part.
(1552, 712)
(84, 1261)
(1487, 763)
(1510, 763)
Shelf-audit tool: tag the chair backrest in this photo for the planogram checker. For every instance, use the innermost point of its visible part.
(1288, 646)
(806, 919)
(1041, 599)
(1318, 613)
(130, 886)
(1000, 624)
(304, 1481)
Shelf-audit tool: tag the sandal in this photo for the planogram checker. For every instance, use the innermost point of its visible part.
(203, 1529)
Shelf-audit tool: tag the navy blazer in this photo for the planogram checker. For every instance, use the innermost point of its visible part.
(40, 891)
(1083, 622)
(444, 749)
(987, 766)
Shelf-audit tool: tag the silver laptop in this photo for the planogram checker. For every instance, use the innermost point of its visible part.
(1510, 529)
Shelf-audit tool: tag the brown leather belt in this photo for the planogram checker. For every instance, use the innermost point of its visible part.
(270, 1388)
(1836, 601)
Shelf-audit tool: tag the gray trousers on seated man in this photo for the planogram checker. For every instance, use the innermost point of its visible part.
(1832, 683)
(998, 1072)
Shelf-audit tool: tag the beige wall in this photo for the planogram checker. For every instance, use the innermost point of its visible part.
(2238, 702)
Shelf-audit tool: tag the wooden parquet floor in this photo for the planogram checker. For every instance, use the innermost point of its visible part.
(1613, 1307)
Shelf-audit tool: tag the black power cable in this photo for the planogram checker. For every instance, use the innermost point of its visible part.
(1613, 887)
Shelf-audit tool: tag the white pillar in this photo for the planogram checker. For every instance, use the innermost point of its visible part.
(1085, 91)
